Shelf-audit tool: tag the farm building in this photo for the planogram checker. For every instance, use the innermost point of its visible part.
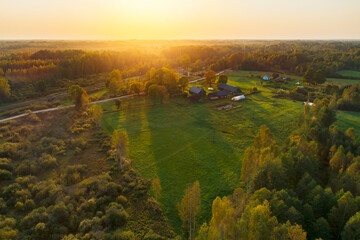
(229, 88)
(197, 91)
(266, 78)
(217, 95)
(238, 98)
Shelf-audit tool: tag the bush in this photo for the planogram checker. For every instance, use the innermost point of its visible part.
(122, 200)
(116, 216)
(5, 164)
(153, 236)
(29, 204)
(5, 175)
(78, 143)
(47, 161)
(120, 235)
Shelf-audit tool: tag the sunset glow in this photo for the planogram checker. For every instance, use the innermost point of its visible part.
(198, 19)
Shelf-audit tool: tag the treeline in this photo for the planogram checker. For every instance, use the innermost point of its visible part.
(308, 188)
(48, 65)
(290, 56)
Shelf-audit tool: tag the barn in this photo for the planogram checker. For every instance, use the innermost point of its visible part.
(217, 95)
(229, 88)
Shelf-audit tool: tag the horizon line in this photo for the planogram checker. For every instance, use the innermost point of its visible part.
(180, 39)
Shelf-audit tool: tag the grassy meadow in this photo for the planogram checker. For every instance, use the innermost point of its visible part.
(349, 73)
(342, 81)
(345, 120)
(182, 142)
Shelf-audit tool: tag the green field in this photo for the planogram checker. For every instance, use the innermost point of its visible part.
(345, 120)
(342, 81)
(349, 73)
(182, 142)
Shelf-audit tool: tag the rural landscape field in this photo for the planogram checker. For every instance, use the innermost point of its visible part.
(170, 120)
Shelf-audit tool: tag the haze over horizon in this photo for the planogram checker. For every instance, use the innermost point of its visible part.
(179, 19)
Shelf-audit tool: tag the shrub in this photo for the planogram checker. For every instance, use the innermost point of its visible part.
(120, 235)
(47, 161)
(122, 200)
(5, 164)
(5, 175)
(116, 216)
(29, 204)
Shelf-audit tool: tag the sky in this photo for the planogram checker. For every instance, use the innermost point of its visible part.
(179, 19)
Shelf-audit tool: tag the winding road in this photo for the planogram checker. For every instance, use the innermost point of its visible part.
(69, 106)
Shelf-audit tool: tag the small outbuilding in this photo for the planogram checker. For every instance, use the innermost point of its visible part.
(197, 91)
(217, 95)
(229, 88)
(266, 78)
(238, 98)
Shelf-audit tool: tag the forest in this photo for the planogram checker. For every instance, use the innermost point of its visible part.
(46, 71)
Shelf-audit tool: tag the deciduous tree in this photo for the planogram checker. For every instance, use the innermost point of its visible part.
(156, 187)
(79, 96)
(119, 142)
(210, 77)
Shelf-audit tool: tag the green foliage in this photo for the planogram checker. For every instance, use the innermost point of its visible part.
(7, 228)
(222, 79)
(116, 216)
(4, 89)
(313, 76)
(352, 228)
(79, 96)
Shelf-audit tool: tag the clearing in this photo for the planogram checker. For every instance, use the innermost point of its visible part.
(182, 142)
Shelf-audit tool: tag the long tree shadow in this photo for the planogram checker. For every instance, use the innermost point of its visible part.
(186, 148)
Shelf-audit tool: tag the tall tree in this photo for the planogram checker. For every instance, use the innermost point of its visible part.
(223, 221)
(135, 88)
(156, 187)
(96, 112)
(185, 61)
(189, 207)
(183, 82)
(210, 77)
(79, 96)
(222, 79)
(119, 142)
(114, 82)
(263, 149)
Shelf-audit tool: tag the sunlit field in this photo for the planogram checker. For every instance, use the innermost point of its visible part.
(183, 142)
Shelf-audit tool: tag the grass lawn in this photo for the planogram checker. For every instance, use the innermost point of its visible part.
(182, 142)
(347, 120)
(349, 73)
(342, 81)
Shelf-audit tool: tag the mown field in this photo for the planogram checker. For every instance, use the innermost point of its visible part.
(182, 142)
(345, 120)
(349, 73)
(342, 81)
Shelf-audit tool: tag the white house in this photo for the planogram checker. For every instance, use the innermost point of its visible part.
(309, 103)
(238, 98)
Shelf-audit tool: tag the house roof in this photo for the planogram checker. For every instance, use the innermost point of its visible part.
(221, 93)
(229, 88)
(217, 94)
(196, 90)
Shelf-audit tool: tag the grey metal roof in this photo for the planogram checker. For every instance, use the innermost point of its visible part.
(229, 88)
(196, 90)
